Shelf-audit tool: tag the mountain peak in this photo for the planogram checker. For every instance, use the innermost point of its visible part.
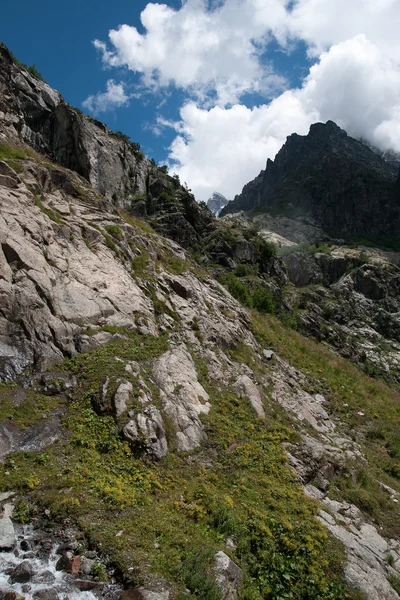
(328, 179)
(216, 203)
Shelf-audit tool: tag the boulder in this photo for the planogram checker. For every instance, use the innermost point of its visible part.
(7, 534)
(22, 573)
(182, 396)
(228, 576)
(45, 594)
(121, 397)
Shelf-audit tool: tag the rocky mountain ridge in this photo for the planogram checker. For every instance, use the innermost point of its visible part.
(329, 180)
(149, 421)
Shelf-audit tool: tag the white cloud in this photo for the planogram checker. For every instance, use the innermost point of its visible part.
(204, 51)
(113, 97)
(353, 84)
(322, 23)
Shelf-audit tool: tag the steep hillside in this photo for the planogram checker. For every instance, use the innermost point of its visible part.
(329, 180)
(157, 439)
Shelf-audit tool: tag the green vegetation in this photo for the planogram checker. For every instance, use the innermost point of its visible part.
(245, 270)
(8, 152)
(175, 514)
(31, 68)
(257, 295)
(135, 221)
(24, 407)
(319, 247)
(115, 231)
(354, 241)
(122, 136)
(33, 71)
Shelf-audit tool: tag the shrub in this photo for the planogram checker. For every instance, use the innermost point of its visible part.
(122, 136)
(263, 301)
(33, 71)
(197, 578)
(243, 270)
(238, 290)
(267, 250)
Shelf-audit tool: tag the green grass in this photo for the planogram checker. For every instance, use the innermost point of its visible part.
(253, 293)
(115, 231)
(52, 214)
(14, 152)
(24, 407)
(319, 247)
(135, 221)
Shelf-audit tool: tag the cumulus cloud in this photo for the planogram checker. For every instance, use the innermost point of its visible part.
(113, 97)
(208, 52)
(353, 84)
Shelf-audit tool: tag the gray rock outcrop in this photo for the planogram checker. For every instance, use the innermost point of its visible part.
(182, 396)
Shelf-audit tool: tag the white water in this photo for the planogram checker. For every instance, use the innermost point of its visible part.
(61, 582)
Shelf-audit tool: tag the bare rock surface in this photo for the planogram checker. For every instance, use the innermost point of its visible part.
(148, 428)
(247, 388)
(228, 576)
(182, 396)
(35, 437)
(367, 551)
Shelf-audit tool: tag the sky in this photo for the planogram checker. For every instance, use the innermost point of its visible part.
(213, 87)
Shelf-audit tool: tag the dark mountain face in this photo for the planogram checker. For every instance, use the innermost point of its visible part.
(330, 180)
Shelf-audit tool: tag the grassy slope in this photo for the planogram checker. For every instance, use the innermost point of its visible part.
(237, 484)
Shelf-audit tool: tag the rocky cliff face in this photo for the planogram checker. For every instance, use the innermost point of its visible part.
(329, 180)
(157, 436)
(40, 117)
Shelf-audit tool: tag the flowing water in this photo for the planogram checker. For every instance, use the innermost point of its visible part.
(45, 575)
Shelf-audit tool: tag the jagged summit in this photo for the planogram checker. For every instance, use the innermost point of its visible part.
(216, 203)
(330, 180)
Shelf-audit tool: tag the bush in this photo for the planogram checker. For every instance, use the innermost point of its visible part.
(114, 230)
(267, 251)
(197, 578)
(122, 136)
(238, 290)
(263, 301)
(243, 270)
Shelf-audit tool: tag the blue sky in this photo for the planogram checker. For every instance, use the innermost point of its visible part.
(213, 87)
